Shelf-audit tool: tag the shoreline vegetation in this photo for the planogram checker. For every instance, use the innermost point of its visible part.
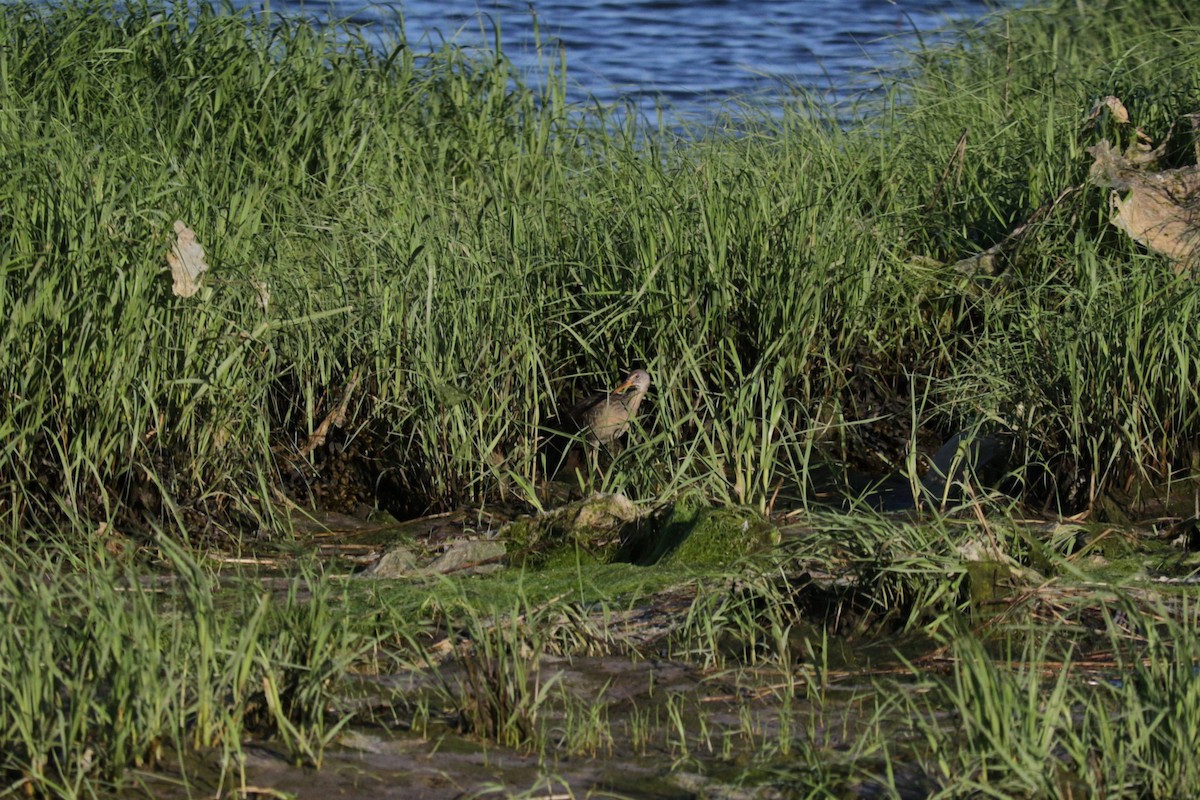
(405, 265)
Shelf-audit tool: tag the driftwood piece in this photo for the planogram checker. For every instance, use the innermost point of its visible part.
(1160, 210)
(992, 261)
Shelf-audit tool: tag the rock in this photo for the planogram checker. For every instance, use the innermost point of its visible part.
(606, 512)
(464, 556)
(473, 555)
(397, 562)
(358, 740)
(723, 535)
(595, 525)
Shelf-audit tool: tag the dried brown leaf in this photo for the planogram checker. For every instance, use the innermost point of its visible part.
(187, 261)
(264, 294)
(1120, 114)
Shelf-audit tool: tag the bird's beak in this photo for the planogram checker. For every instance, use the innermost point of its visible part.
(624, 387)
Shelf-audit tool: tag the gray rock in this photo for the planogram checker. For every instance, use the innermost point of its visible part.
(478, 555)
(397, 562)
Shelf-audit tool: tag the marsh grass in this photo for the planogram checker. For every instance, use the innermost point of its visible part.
(414, 243)
(104, 673)
(1098, 683)
(419, 259)
(503, 692)
(892, 576)
(1037, 723)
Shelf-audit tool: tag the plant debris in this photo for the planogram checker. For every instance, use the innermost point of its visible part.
(1161, 210)
(187, 261)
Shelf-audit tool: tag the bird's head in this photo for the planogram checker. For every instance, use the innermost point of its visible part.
(638, 381)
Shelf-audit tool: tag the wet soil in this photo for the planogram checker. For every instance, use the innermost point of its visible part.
(644, 717)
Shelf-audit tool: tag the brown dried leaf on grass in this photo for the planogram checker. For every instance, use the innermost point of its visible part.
(264, 294)
(187, 261)
(1114, 106)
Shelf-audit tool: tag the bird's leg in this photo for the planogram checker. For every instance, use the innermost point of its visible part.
(583, 474)
(593, 464)
(541, 479)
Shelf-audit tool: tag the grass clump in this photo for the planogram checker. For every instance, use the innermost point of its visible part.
(105, 674)
(1045, 723)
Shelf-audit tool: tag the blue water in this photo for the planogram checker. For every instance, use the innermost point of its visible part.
(693, 54)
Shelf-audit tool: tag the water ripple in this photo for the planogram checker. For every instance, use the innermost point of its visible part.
(690, 52)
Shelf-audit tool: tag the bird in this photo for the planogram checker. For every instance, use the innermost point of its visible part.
(605, 416)
(598, 420)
